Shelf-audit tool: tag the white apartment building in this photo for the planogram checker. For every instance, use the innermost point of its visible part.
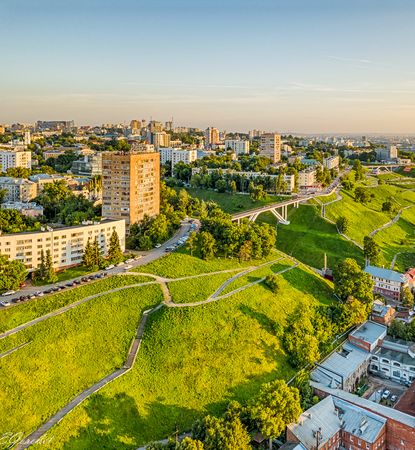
(290, 180)
(332, 162)
(17, 157)
(307, 178)
(238, 146)
(166, 154)
(18, 189)
(182, 155)
(160, 139)
(395, 364)
(65, 244)
(387, 154)
(270, 146)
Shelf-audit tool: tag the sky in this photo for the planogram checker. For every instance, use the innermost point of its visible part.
(340, 66)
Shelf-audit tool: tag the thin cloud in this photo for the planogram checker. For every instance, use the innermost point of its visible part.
(352, 60)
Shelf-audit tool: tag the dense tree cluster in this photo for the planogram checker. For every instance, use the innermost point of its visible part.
(371, 250)
(45, 272)
(60, 205)
(402, 330)
(63, 163)
(12, 273)
(13, 221)
(246, 240)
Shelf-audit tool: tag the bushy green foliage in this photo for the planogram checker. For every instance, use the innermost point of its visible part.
(12, 274)
(351, 280)
(13, 221)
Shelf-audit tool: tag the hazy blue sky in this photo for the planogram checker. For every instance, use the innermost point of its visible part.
(306, 66)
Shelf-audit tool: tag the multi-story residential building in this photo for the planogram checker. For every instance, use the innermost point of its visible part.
(183, 155)
(155, 126)
(131, 185)
(383, 314)
(65, 244)
(388, 153)
(17, 157)
(160, 139)
(332, 162)
(55, 125)
(255, 133)
(2, 129)
(135, 124)
(387, 282)
(270, 146)
(307, 178)
(53, 153)
(42, 179)
(18, 189)
(211, 137)
(238, 146)
(89, 165)
(166, 154)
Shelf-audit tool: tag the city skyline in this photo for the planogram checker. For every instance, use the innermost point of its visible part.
(306, 67)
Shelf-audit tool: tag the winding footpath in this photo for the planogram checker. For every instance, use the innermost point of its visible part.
(36, 435)
(391, 222)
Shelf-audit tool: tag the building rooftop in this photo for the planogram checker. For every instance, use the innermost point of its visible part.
(12, 180)
(334, 370)
(377, 408)
(331, 415)
(406, 403)
(387, 274)
(369, 332)
(395, 355)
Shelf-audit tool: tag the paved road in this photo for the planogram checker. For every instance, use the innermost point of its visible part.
(147, 257)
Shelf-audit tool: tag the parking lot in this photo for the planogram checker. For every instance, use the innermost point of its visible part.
(383, 391)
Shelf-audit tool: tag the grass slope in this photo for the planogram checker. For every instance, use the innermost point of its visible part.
(67, 354)
(192, 362)
(308, 237)
(24, 312)
(366, 218)
(232, 203)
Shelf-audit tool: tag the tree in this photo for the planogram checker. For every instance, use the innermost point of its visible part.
(276, 406)
(245, 251)
(359, 171)
(258, 193)
(342, 224)
(190, 444)
(114, 252)
(387, 206)
(40, 272)
(362, 195)
(207, 245)
(12, 274)
(371, 250)
(3, 194)
(191, 242)
(88, 259)
(271, 281)
(407, 297)
(300, 339)
(50, 275)
(353, 312)
(351, 280)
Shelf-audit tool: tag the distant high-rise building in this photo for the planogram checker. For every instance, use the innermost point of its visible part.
(211, 137)
(2, 129)
(160, 139)
(155, 126)
(169, 125)
(270, 146)
(255, 133)
(131, 185)
(55, 125)
(27, 138)
(135, 124)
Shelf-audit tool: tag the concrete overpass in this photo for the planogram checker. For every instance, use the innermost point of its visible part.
(280, 210)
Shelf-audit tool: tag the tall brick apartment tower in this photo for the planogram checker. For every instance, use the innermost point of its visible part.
(131, 184)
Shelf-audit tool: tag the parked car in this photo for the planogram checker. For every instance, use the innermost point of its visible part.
(120, 264)
(127, 267)
(111, 266)
(138, 257)
(386, 394)
(40, 293)
(130, 260)
(5, 303)
(394, 398)
(5, 294)
(157, 246)
(84, 279)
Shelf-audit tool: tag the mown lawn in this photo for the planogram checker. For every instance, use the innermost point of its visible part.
(366, 218)
(31, 309)
(66, 354)
(232, 203)
(197, 289)
(192, 362)
(308, 237)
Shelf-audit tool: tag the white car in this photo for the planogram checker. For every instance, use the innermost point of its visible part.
(120, 264)
(386, 394)
(127, 267)
(8, 293)
(138, 257)
(158, 246)
(129, 261)
(5, 303)
(111, 266)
